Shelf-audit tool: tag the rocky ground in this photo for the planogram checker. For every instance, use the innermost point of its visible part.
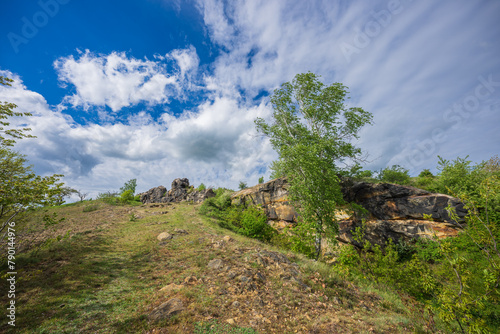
(163, 268)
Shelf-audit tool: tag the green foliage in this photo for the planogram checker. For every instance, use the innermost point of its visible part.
(201, 187)
(311, 131)
(254, 224)
(129, 185)
(425, 173)
(21, 188)
(215, 207)
(50, 220)
(457, 278)
(249, 221)
(127, 196)
(108, 197)
(242, 185)
(7, 111)
(137, 198)
(261, 179)
(395, 174)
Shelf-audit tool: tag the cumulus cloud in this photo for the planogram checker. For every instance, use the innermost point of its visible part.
(409, 74)
(117, 81)
(214, 144)
(410, 62)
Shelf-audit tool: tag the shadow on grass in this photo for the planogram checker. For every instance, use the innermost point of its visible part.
(79, 284)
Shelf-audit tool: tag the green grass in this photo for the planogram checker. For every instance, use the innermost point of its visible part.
(107, 275)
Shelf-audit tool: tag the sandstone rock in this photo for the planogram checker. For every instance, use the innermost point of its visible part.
(170, 287)
(391, 201)
(190, 280)
(166, 310)
(394, 212)
(215, 264)
(227, 238)
(164, 236)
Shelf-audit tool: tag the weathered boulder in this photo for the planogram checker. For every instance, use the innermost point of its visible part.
(272, 196)
(392, 201)
(154, 195)
(399, 213)
(394, 212)
(180, 191)
(166, 310)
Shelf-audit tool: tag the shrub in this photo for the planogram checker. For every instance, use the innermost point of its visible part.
(201, 187)
(395, 174)
(242, 185)
(108, 197)
(127, 196)
(254, 224)
(425, 173)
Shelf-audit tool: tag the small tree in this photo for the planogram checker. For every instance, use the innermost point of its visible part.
(20, 187)
(129, 185)
(242, 185)
(81, 195)
(311, 131)
(261, 179)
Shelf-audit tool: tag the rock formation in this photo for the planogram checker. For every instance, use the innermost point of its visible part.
(180, 191)
(394, 212)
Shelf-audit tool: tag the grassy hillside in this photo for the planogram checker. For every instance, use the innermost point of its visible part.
(110, 271)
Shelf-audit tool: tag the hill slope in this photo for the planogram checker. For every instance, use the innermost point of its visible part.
(112, 275)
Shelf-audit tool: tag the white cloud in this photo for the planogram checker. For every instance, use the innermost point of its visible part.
(408, 73)
(119, 81)
(215, 144)
(428, 58)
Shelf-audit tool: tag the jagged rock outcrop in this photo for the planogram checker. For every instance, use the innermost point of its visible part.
(180, 191)
(273, 196)
(394, 212)
(399, 212)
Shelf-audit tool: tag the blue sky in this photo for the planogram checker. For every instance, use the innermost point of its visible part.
(158, 89)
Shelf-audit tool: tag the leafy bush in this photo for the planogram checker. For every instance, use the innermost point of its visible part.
(261, 179)
(395, 174)
(108, 197)
(201, 187)
(254, 224)
(249, 221)
(137, 198)
(242, 185)
(425, 173)
(127, 196)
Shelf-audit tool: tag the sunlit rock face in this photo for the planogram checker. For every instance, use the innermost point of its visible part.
(393, 211)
